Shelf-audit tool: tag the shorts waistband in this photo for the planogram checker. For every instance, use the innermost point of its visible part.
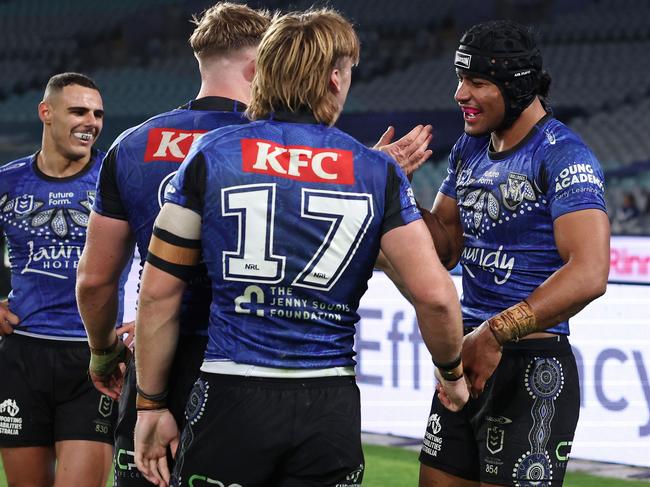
(281, 383)
(556, 345)
(46, 341)
(227, 367)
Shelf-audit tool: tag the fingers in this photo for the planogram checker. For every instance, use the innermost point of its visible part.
(386, 137)
(11, 318)
(163, 469)
(5, 328)
(173, 445)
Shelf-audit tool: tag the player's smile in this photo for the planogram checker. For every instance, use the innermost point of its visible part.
(470, 114)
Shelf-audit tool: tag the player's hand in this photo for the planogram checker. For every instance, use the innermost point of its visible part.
(410, 151)
(155, 431)
(7, 319)
(453, 394)
(481, 355)
(127, 329)
(107, 371)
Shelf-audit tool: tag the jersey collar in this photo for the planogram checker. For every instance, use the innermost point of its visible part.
(215, 104)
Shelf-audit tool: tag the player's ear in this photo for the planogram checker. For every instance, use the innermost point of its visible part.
(45, 112)
(249, 70)
(335, 81)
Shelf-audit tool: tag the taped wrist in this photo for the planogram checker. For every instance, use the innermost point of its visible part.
(515, 322)
(150, 402)
(104, 361)
(450, 371)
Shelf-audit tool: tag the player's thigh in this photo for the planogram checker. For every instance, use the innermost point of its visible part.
(26, 407)
(526, 429)
(82, 412)
(29, 466)
(326, 450)
(236, 430)
(82, 463)
(433, 477)
(449, 443)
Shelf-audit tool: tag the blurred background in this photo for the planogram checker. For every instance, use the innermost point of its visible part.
(595, 50)
(137, 51)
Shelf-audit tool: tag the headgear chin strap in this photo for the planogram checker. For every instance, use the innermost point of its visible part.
(505, 53)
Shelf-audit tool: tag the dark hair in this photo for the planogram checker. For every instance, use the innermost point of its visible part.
(60, 81)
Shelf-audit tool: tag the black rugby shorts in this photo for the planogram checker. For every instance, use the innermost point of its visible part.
(46, 395)
(521, 428)
(267, 432)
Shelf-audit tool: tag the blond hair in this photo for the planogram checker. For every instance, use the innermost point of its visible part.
(227, 26)
(295, 60)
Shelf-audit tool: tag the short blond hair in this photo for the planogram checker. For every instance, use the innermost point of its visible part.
(294, 62)
(226, 27)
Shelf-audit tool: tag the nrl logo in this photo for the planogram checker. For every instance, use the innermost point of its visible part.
(105, 406)
(494, 441)
(24, 204)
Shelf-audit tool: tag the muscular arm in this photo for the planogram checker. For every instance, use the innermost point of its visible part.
(161, 292)
(443, 222)
(582, 239)
(411, 253)
(109, 245)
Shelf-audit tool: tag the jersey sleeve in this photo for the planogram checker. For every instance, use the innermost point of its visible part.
(448, 186)
(575, 180)
(400, 207)
(108, 201)
(187, 188)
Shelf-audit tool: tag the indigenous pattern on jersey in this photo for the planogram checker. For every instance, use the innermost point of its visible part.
(292, 217)
(138, 167)
(45, 220)
(508, 202)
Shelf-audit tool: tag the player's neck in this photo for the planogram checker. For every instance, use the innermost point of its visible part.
(503, 140)
(53, 164)
(227, 77)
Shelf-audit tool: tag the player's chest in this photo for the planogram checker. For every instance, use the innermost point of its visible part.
(498, 196)
(43, 211)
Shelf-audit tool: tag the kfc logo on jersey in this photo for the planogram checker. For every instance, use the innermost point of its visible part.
(171, 145)
(303, 163)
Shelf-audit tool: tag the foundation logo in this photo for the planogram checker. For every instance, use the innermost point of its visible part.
(9, 407)
(434, 424)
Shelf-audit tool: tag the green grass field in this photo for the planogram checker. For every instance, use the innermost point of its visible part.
(395, 467)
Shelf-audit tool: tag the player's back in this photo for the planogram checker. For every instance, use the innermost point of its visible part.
(292, 217)
(140, 164)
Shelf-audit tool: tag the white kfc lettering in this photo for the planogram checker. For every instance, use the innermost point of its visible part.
(170, 143)
(317, 164)
(264, 157)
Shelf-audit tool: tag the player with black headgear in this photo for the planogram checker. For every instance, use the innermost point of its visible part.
(521, 193)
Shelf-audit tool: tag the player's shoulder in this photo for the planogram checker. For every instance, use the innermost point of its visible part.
(18, 165)
(467, 145)
(14, 170)
(557, 141)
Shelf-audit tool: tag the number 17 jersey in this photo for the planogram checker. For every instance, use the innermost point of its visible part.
(292, 217)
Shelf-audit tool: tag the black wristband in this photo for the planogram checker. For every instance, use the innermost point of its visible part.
(449, 365)
(160, 397)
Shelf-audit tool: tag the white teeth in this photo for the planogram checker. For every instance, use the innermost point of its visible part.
(83, 136)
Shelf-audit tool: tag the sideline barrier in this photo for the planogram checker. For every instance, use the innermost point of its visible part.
(611, 341)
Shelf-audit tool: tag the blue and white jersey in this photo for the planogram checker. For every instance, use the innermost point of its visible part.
(136, 171)
(292, 217)
(45, 220)
(508, 202)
